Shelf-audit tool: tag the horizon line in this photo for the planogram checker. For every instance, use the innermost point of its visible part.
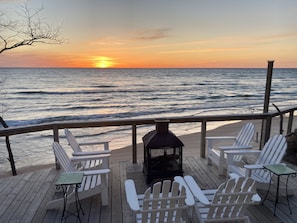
(145, 68)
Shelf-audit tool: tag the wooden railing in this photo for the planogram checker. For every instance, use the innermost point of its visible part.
(56, 126)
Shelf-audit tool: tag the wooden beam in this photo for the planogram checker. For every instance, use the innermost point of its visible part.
(134, 144)
(264, 132)
(203, 140)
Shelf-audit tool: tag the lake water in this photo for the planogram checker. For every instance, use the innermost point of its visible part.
(32, 96)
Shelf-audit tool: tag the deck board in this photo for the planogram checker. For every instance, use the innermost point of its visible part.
(15, 194)
(32, 199)
(24, 197)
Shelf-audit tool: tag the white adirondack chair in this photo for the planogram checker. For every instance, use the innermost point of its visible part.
(77, 151)
(94, 181)
(241, 141)
(272, 153)
(163, 202)
(228, 203)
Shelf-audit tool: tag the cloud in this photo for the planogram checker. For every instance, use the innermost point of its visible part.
(152, 34)
(280, 36)
(108, 42)
(198, 50)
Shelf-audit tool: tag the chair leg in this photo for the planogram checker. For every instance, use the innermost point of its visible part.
(221, 163)
(104, 190)
(208, 161)
(104, 196)
(60, 201)
(209, 148)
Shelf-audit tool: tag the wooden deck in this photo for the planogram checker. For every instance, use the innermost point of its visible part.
(24, 197)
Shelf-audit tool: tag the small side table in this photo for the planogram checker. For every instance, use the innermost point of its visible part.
(279, 170)
(66, 180)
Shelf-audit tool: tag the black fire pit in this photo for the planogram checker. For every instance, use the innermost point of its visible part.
(162, 153)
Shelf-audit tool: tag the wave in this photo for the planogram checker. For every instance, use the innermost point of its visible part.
(78, 92)
(14, 123)
(59, 92)
(104, 86)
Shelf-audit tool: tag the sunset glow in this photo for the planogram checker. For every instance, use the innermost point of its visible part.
(162, 34)
(103, 62)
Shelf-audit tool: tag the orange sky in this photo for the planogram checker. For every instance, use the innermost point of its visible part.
(169, 33)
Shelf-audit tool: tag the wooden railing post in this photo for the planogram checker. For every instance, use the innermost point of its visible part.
(10, 154)
(56, 134)
(290, 122)
(203, 140)
(266, 127)
(265, 122)
(56, 139)
(134, 144)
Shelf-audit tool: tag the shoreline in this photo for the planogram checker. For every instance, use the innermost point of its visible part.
(191, 142)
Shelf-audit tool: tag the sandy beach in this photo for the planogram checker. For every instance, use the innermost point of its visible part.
(191, 142)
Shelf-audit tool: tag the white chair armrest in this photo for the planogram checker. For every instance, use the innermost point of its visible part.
(250, 167)
(86, 158)
(235, 147)
(220, 137)
(96, 172)
(231, 153)
(105, 143)
(253, 166)
(88, 153)
(93, 143)
(189, 199)
(243, 152)
(211, 139)
(196, 191)
(131, 195)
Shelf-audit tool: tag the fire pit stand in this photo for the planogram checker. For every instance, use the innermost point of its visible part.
(162, 153)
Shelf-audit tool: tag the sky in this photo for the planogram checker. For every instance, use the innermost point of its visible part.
(162, 34)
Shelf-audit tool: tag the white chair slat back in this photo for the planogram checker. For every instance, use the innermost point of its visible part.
(232, 199)
(72, 141)
(245, 135)
(164, 202)
(272, 153)
(244, 138)
(63, 158)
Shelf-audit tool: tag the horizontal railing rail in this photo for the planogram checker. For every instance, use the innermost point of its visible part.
(56, 126)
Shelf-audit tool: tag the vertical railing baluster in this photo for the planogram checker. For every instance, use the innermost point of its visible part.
(203, 140)
(290, 122)
(134, 144)
(56, 139)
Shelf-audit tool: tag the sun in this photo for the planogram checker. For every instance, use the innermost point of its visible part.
(103, 62)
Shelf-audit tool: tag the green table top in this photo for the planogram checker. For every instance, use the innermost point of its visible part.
(70, 178)
(280, 169)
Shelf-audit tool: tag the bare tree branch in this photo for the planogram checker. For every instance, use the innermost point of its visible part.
(30, 30)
